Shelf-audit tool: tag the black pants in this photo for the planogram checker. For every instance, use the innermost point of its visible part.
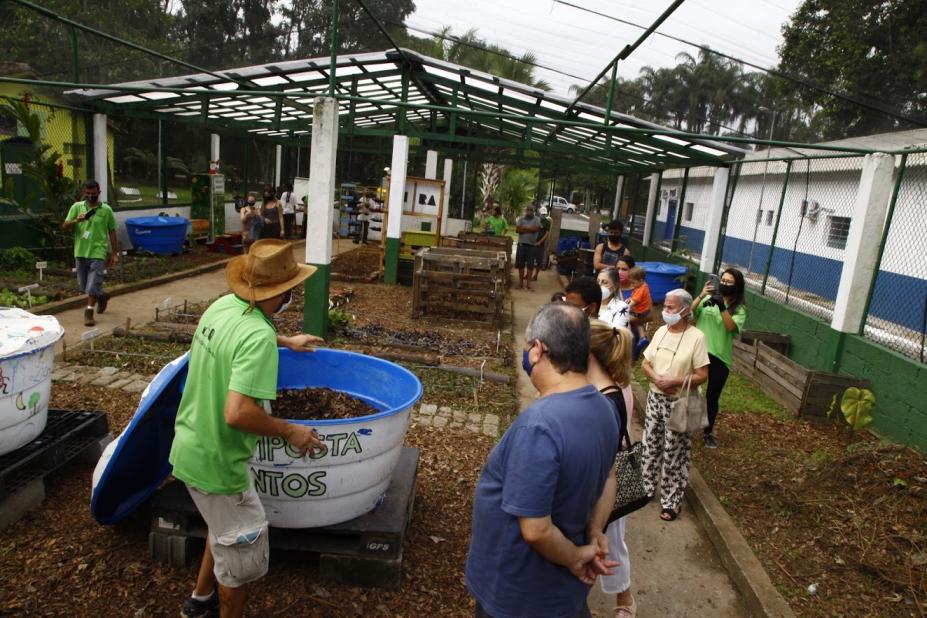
(717, 378)
(289, 222)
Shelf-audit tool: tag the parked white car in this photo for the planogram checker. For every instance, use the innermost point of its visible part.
(560, 203)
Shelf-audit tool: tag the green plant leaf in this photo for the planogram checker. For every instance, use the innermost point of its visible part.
(856, 405)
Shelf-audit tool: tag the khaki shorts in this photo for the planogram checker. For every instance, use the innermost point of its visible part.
(237, 534)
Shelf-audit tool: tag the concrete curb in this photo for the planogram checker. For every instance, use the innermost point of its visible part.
(759, 594)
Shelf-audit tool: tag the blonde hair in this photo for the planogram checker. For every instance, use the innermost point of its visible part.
(611, 346)
(637, 274)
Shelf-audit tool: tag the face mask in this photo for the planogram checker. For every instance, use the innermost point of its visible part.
(287, 299)
(93, 199)
(623, 275)
(614, 239)
(529, 216)
(605, 292)
(671, 319)
(727, 290)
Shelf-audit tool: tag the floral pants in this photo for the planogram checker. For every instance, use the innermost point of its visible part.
(666, 454)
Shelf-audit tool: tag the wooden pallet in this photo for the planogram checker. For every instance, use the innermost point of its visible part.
(459, 280)
(472, 240)
(745, 349)
(69, 435)
(366, 551)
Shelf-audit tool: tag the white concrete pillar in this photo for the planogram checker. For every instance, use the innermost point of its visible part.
(397, 190)
(617, 207)
(319, 213)
(214, 143)
(278, 159)
(100, 155)
(446, 212)
(861, 253)
(715, 215)
(431, 164)
(652, 197)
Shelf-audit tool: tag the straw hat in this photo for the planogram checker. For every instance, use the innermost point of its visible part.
(267, 270)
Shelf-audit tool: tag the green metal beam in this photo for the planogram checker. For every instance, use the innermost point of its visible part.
(679, 208)
(334, 49)
(775, 234)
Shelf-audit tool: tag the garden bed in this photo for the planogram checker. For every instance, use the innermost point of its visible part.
(59, 282)
(839, 524)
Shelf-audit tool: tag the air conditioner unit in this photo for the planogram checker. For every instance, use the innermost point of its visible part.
(812, 209)
(665, 194)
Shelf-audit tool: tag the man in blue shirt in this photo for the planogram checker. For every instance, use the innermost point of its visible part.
(534, 550)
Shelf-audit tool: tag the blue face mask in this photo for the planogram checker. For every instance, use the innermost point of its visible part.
(525, 363)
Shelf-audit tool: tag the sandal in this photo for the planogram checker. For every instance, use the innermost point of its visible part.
(669, 515)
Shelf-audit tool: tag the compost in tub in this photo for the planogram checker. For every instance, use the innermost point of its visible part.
(26, 362)
(345, 481)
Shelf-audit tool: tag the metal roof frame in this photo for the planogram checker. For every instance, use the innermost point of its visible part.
(390, 92)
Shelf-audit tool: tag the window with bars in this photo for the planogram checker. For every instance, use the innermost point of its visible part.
(759, 216)
(769, 217)
(690, 206)
(838, 230)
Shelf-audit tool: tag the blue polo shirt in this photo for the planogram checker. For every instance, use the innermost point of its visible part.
(553, 460)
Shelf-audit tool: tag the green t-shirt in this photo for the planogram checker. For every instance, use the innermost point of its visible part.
(497, 225)
(718, 339)
(233, 349)
(91, 238)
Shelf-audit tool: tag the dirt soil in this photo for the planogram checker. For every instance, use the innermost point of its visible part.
(839, 524)
(360, 262)
(57, 561)
(129, 354)
(319, 403)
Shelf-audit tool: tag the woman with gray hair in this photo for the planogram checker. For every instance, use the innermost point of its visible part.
(677, 351)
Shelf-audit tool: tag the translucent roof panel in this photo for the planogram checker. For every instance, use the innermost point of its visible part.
(425, 96)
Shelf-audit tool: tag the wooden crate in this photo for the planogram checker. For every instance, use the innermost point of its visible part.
(457, 280)
(806, 392)
(471, 240)
(745, 349)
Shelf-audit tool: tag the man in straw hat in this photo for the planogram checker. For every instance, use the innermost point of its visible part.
(232, 371)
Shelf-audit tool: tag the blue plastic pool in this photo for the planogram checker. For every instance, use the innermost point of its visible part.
(163, 235)
(663, 277)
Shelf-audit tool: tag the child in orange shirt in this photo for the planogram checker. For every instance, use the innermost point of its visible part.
(639, 304)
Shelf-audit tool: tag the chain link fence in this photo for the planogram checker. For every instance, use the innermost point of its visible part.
(788, 226)
(897, 315)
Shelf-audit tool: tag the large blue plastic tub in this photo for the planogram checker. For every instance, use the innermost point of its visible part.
(662, 277)
(157, 234)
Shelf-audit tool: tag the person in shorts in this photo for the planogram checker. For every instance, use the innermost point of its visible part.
(527, 227)
(95, 246)
(232, 372)
(540, 258)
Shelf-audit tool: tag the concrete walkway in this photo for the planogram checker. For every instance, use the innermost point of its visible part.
(675, 571)
(140, 305)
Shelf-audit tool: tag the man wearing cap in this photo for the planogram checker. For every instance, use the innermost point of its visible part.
(232, 372)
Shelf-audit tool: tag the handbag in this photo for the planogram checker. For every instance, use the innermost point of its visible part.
(630, 495)
(689, 412)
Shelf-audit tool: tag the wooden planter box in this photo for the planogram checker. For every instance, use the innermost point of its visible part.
(457, 280)
(745, 349)
(805, 392)
(471, 240)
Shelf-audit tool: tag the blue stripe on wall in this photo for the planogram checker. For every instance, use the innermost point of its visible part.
(694, 238)
(897, 298)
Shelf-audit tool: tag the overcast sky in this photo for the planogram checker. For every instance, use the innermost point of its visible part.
(580, 43)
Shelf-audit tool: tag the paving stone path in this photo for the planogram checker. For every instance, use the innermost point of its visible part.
(430, 415)
(108, 377)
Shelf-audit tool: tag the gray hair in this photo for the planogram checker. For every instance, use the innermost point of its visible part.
(684, 298)
(564, 329)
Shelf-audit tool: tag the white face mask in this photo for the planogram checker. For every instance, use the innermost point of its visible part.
(287, 300)
(605, 292)
(671, 319)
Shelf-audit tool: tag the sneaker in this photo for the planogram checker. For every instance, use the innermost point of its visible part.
(88, 317)
(200, 609)
(709, 441)
(102, 301)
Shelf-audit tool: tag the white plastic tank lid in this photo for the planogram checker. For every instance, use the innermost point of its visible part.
(22, 332)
